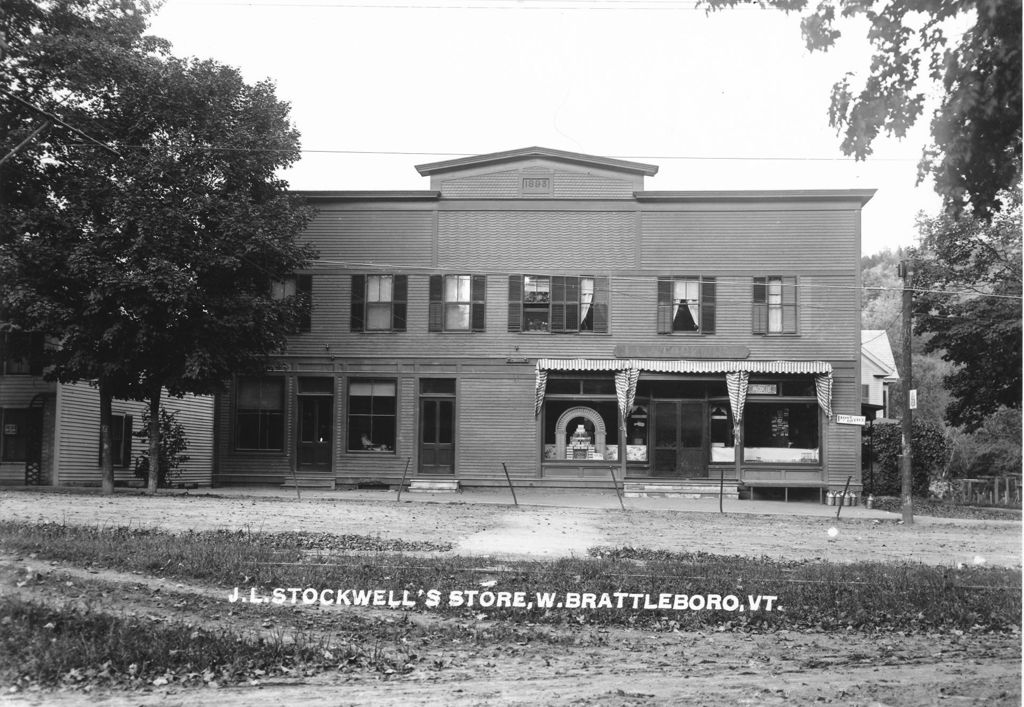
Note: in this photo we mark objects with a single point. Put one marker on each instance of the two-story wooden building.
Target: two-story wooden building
(543, 310)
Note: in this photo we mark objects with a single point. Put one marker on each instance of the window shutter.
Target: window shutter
(399, 306)
(572, 304)
(304, 287)
(760, 306)
(707, 305)
(358, 318)
(126, 443)
(515, 303)
(665, 305)
(600, 305)
(35, 354)
(478, 313)
(435, 314)
(558, 283)
(789, 305)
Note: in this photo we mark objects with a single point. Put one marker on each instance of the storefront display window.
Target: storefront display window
(371, 416)
(581, 430)
(781, 432)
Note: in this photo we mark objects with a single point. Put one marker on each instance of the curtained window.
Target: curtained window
(686, 304)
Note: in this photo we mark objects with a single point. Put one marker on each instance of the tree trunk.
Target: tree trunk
(154, 440)
(106, 458)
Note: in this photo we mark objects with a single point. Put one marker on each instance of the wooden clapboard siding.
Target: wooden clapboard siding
(843, 443)
(496, 424)
(828, 323)
(496, 185)
(371, 236)
(17, 391)
(517, 240)
(597, 219)
(795, 240)
(566, 182)
(78, 436)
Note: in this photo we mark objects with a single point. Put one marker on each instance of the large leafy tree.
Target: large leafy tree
(976, 128)
(151, 260)
(968, 303)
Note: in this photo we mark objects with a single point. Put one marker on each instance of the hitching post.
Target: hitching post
(616, 485)
(510, 486)
(402, 485)
(840, 504)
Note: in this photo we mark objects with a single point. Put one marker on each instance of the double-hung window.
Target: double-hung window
(686, 304)
(774, 303)
(301, 286)
(560, 304)
(259, 413)
(457, 302)
(379, 302)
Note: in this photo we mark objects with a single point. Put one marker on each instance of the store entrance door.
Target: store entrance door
(679, 449)
(314, 449)
(437, 435)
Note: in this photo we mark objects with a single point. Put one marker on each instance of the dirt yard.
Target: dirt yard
(597, 666)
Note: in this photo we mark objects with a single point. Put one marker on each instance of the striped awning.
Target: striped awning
(627, 372)
(683, 366)
(737, 382)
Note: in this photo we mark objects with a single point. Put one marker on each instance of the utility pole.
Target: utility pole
(907, 458)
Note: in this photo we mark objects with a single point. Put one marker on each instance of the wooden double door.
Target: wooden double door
(680, 439)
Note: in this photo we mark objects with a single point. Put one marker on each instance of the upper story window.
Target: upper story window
(560, 304)
(686, 304)
(379, 302)
(457, 302)
(291, 286)
(21, 353)
(774, 305)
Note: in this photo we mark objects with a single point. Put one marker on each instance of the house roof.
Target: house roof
(530, 152)
(874, 346)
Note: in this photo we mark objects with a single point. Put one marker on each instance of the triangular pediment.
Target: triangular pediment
(537, 172)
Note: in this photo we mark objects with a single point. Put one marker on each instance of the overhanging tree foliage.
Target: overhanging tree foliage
(976, 128)
(969, 274)
(153, 268)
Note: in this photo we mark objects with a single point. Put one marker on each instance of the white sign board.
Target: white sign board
(913, 399)
(851, 419)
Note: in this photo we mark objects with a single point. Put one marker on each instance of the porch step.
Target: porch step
(434, 486)
(308, 481)
(703, 488)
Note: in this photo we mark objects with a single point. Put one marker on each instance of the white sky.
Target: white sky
(652, 82)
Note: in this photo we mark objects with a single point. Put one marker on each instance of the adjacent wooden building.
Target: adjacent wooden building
(50, 432)
(542, 311)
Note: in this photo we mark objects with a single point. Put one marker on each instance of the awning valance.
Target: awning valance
(683, 366)
(627, 371)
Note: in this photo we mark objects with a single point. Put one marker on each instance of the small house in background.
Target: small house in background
(877, 374)
(50, 432)
(543, 312)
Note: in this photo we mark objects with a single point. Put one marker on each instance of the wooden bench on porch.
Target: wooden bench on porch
(787, 484)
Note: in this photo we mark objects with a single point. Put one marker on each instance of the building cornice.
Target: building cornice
(385, 195)
(492, 158)
(859, 196)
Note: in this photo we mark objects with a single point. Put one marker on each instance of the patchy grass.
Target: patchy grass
(72, 646)
(623, 582)
(947, 509)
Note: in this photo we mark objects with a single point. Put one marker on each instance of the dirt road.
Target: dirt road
(545, 531)
(585, 665)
